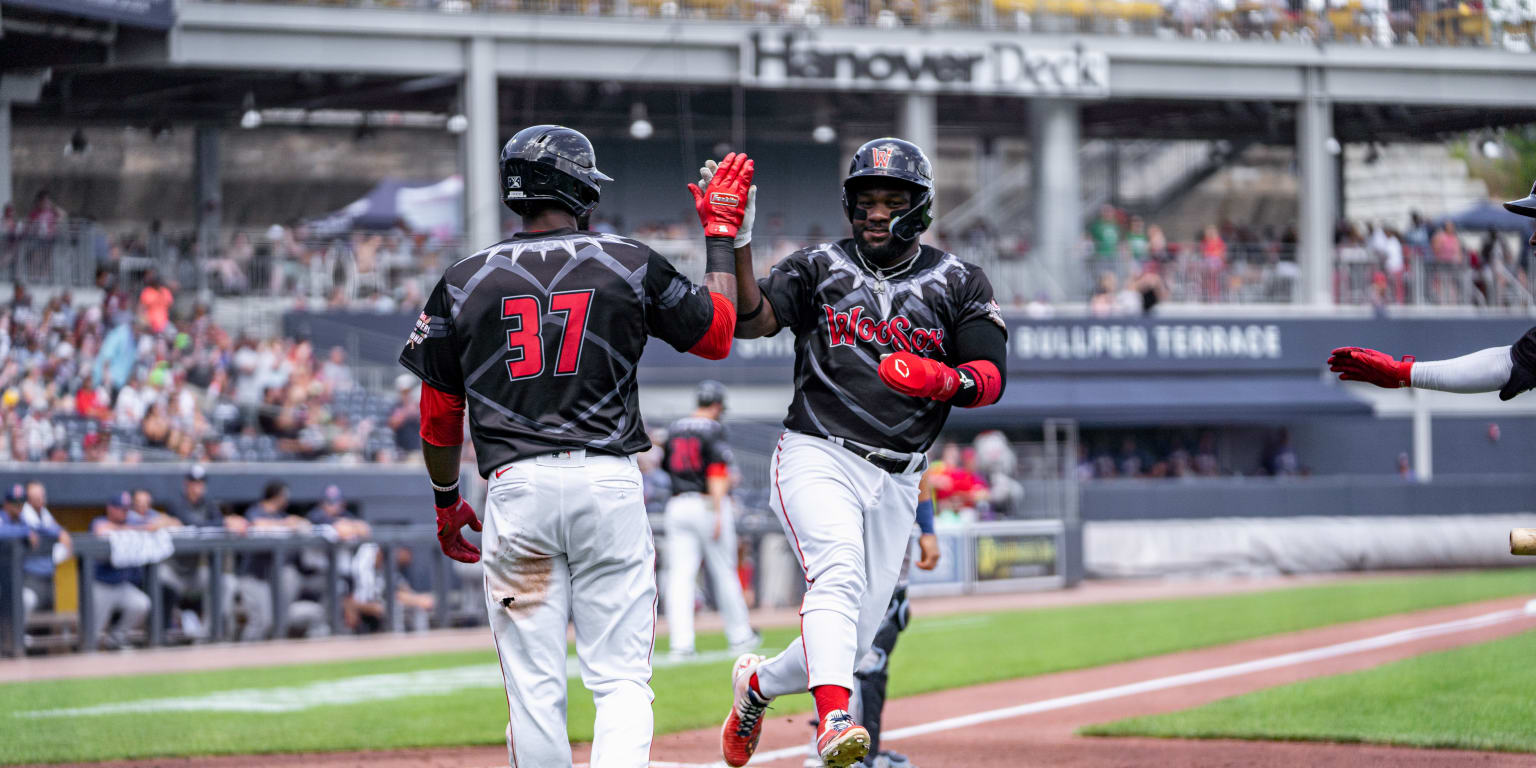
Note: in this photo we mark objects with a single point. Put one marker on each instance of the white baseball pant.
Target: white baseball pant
(690, 522)
(849, 522)
(566, 538)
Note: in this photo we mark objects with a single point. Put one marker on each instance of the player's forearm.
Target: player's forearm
(718, 488)
(1486, 370)
(754, 315)
(442, 436)
(720, 269)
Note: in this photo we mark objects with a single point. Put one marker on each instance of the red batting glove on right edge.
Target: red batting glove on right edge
(449, 536)
(1379, 368)
(722, 206)
(918, 376)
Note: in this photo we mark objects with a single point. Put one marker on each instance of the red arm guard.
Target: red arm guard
(716, 342)
(442, 417)
(989, 382)
(717, 470)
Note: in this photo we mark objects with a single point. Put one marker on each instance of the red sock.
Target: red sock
(830, 698)
(752, 683)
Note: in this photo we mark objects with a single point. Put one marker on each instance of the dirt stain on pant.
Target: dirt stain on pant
(521, 584)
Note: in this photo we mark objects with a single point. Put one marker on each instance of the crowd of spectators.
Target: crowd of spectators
(1134, 265)
(140, 375)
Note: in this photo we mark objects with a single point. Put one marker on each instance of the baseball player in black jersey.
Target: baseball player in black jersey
(537, 338)
(1508, 370)
(889, 335)
(701, 525)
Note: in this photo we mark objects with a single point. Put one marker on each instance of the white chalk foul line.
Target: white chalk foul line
(340, 691)
(1172, 681)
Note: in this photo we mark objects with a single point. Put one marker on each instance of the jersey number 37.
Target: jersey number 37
(526, 341)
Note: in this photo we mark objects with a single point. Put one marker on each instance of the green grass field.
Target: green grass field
(934, 654)
(1476, 697)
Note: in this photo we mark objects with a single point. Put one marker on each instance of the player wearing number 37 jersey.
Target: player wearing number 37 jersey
(537, 339)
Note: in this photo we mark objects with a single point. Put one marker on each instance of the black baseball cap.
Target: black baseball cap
(1525, 206)
(197, 472)
(121, 500)
(17, 492)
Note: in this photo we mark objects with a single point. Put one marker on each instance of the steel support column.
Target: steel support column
(482, 145)
(1317, 193)
(1055, 168)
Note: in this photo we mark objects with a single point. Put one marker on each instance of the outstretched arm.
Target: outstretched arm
(1506, 370)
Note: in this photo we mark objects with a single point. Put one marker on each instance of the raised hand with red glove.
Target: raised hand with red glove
(450, 521)
(723, 204)
(1379, 368)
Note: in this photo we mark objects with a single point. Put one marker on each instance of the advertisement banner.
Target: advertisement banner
(789, 58)
(1011, 556)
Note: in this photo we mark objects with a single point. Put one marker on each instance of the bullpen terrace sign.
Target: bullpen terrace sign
(797, 59)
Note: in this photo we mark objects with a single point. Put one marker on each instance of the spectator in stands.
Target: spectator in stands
(1104, 231)
(1137, 243)
(1449, 259)
(334, 373)
(155, 303)
(1213, 262)
(270, 516)
(45, 219)
(332, 510)
(116, 590)
(405, 419)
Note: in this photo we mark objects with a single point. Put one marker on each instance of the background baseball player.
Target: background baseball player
(889, 335)
(701, 524)
(1508, 370)
(537, 337)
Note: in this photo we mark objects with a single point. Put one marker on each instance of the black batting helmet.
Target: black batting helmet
(1525, 206)
(893, 159)
(551, 163)
(710, 392)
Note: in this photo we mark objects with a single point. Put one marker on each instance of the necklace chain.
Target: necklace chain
(884, 274)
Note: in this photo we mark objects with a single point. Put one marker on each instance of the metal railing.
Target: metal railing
(221, 548)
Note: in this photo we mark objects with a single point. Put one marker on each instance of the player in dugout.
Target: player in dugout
(1508, 370)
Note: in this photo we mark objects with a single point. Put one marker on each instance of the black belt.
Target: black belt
(888, 461)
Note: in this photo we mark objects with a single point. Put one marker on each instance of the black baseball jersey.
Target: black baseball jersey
(844, 319)
(541, 334)
(694, 445)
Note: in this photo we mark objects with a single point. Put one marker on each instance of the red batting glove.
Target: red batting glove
(450, 538)
(1379, 368)
(918, 376)
(723, 205)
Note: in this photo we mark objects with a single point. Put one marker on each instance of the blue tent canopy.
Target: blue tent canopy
(422, 206)
(1487, 215)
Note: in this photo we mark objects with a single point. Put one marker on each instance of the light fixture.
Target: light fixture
(639, 126)
(456, 123)
(250, 118)
(77, 144)
(1491, 149)
(1333, 146)
(823, 133)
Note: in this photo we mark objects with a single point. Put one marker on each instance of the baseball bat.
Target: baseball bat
(1522, 541)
